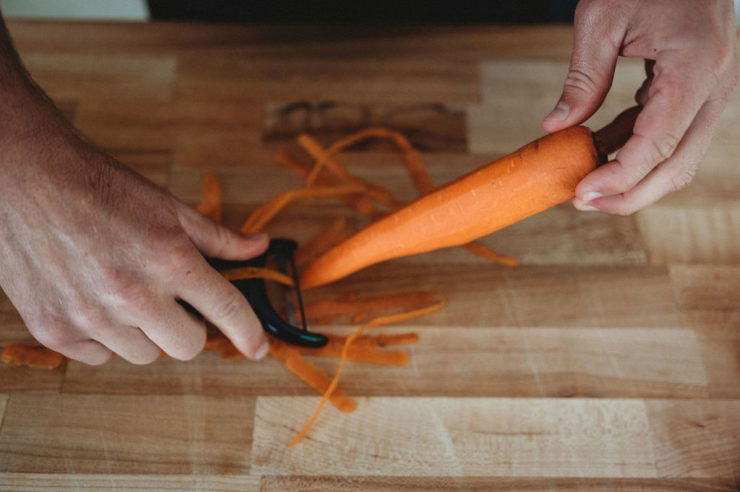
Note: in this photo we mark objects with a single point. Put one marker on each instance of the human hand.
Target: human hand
(692, 70)
(94, 256)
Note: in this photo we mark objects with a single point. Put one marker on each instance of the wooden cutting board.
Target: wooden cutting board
(609, 360)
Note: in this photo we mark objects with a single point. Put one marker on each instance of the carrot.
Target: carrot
(211, 204)
(325, 310)
(384, 320)
(256, 272)
(36, 357)
(264, 214)
(536, 177)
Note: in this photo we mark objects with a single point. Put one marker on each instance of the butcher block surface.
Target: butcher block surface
(609, 360)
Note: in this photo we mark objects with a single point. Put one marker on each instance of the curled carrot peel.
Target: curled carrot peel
(485, 252)
(310, 374)
(212, 198)
(380, 340)
(325, 310)
(384, 320)
(257, 272)
(264, 214)
(36, 357)
(324, 159)
(360, 203)
(360, 353)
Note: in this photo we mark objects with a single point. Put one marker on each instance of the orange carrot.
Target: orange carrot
(536, 177)
(256, 272)
(380, 340)
(264, 214)
(325, 310)
(385, 320)
(36, 357)
(211, 204)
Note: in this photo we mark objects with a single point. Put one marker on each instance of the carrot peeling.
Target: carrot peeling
(360, 353)
(36, 357)
(257, 272)
(324, 311)
(264, 214)
(211, 202)
(484, 251)
(384, 320)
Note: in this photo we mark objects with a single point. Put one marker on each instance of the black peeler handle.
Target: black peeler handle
(255, 291)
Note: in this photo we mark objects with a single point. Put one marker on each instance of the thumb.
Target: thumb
(596, 47)
(217, 241)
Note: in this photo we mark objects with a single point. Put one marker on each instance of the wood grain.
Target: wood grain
(605, 363)
(609, 360)
(49, 433)
(458, 437)
(35, 482)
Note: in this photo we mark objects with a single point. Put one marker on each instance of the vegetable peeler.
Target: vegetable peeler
(280, 251)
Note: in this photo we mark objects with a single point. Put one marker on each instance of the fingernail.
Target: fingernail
(591, 195)
(588, 208)
(261, 352)
(559, 113)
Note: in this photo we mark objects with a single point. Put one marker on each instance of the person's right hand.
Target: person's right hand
(94, 256)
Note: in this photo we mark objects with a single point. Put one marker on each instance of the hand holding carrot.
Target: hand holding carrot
(692, 70)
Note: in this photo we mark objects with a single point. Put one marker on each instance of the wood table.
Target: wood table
(610, 359)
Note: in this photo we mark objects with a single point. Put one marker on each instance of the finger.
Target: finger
(217, 241)
(227, 308)
(170, 327)
(673, 174)
(128, 342)
(673, 102)
(596, 45)
(87, 351)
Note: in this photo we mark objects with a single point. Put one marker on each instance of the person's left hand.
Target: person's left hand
(692, 70)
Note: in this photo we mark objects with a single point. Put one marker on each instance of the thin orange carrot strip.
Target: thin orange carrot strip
(362, 204)
(325, 239)
(323, 311)
(485, 252)
(373, 191)
(360, 353)
(264, 214)
(384, 320)
(36, 357)
(379, 340)
(318, 380)
(256, 272)
(211, 203)
(223, 345)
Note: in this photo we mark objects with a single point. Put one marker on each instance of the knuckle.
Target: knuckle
(51, 334)
(231, 305)
(662, 147)
(682, 179)
(580, 79)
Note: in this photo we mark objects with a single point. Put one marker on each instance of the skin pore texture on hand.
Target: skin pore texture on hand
(691, 71)
(93, 256)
